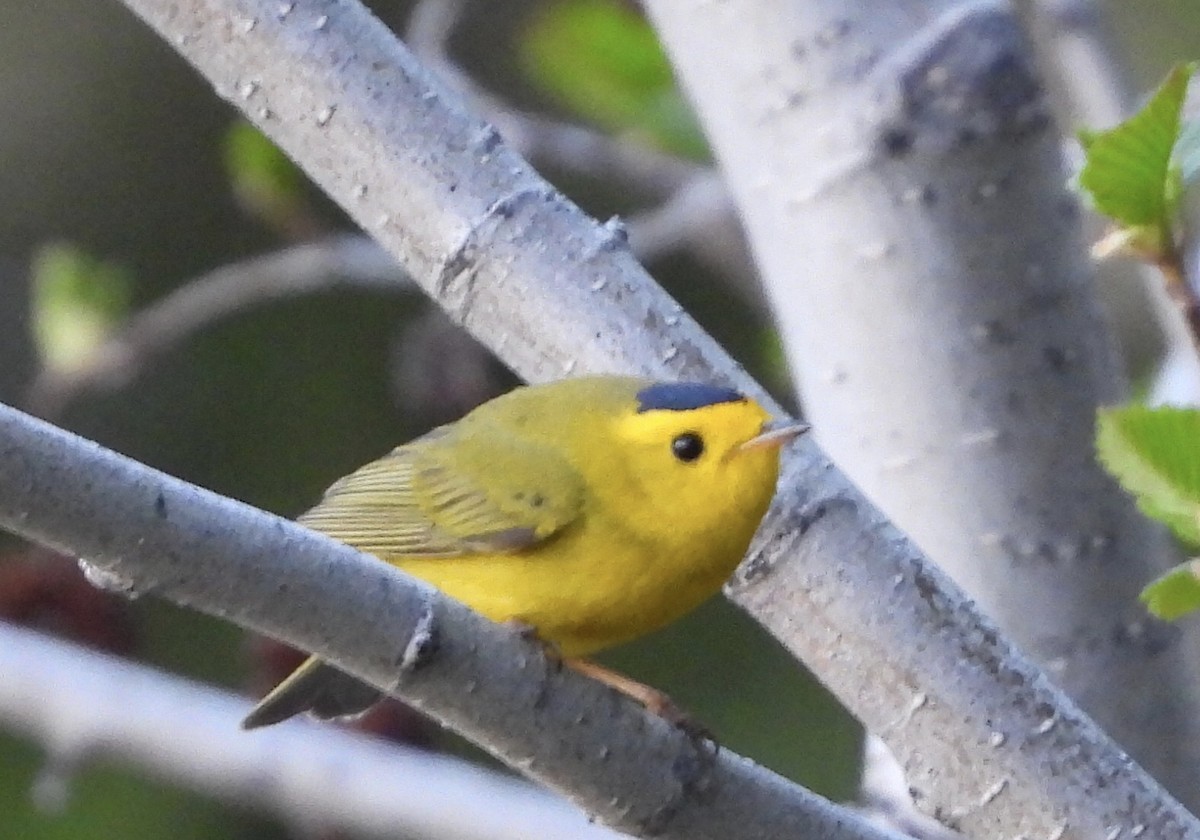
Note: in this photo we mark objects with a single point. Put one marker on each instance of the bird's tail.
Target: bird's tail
(315, 687)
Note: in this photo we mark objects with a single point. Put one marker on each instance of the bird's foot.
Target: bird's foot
(656, 702)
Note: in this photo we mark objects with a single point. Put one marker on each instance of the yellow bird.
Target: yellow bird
(591, 510)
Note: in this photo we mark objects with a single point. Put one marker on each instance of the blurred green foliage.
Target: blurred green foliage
(110, 802)
(1155, 454)
(601, 59)
(264, 179)
(76, 301)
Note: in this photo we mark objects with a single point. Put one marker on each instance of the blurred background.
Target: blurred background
(125, 179)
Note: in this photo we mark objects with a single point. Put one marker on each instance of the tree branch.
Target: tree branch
(148, 533)
(553, 293)
(85, 706)
(694, 209)
(909, 206)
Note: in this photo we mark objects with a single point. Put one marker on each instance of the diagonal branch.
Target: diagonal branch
(552, 293)
(917, 241)
(146, 532)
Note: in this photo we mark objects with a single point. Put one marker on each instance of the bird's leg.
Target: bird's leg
(656, 702)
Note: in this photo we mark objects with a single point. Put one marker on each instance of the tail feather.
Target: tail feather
(315, 687)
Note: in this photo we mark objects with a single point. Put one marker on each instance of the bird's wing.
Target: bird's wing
(451, 493)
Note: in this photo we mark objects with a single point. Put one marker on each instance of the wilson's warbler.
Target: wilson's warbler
(590, 510)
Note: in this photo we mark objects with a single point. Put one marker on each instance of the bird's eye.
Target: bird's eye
(687, 447)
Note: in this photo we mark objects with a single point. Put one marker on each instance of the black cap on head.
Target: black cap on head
(684, 396)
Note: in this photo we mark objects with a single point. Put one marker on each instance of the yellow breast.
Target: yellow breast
(594, 510)
(654, 537)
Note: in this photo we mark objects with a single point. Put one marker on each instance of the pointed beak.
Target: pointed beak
(774, 434)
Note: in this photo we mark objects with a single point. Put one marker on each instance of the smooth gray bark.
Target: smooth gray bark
(901, 180)
(144, 532)
(554, 293)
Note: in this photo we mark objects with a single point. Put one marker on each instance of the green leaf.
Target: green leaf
(1175, 594)
(1129, 172)
(602, 60)
(1155, 455)
(263, 177)
(76, 300)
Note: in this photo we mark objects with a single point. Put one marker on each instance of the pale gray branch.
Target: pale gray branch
(909, 206)
(693, 208)
(147, 533)
(886, 797)
(86, 706)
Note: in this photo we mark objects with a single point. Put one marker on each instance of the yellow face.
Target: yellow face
(683, 465)
(663, 463)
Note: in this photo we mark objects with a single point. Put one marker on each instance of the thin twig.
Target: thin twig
(1180, 290)
(545, 141)
(342, 262)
